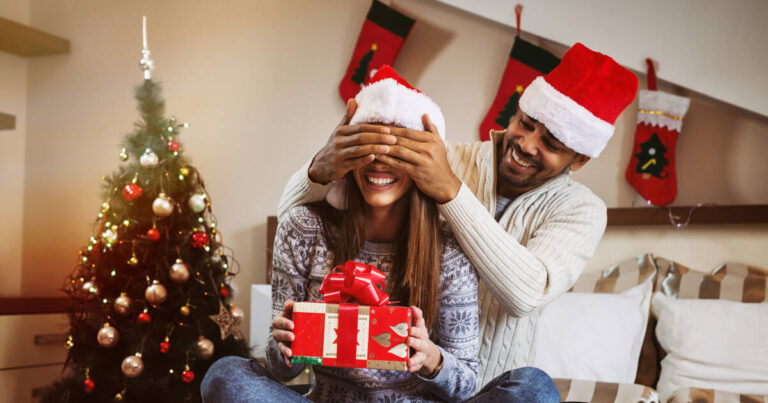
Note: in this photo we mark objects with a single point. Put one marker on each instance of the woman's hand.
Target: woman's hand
(426, 356)
(282, 331)
(348, 148)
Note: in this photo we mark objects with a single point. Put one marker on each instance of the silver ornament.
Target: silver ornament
(237, 313)
(162, 205)
(204, 348)
(123, 304)
(107, 336)
(132, 365)
(156, 293)
(197, 203)
(148, 159)
(218, 237)
(179, 271)
(90, 289)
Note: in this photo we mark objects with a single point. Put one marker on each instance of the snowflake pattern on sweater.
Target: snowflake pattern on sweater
(301, 261)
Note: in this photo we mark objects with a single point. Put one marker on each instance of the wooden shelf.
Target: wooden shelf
(24, 306)
(7, 122)
(26, 41)
(740, 214)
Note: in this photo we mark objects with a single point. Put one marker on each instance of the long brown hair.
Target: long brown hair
(415, 275)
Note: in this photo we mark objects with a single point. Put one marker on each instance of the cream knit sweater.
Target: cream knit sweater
(534, 253)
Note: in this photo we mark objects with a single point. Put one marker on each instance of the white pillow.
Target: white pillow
(594, 337)
(713, 344)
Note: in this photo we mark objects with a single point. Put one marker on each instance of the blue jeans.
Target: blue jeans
(236, 379)
(527, 384)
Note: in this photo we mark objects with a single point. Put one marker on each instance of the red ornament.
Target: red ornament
(224, 292)
(187, 376)
(200, 240)
(88, 385)
(164, 346)
(144, 318)
(153, 234)
(173, 146)
(132, 192)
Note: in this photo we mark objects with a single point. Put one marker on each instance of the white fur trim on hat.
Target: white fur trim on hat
(389, 102)
(571, 123)
(660, 109)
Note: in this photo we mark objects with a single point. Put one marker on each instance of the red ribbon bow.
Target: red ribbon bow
(362, 282)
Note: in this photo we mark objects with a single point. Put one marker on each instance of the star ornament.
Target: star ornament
(226, 323)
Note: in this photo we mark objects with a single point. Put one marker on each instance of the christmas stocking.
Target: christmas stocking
(651, 170)
(526, 62)
(383, 33)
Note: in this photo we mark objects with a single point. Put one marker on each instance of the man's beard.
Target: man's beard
(514, 181)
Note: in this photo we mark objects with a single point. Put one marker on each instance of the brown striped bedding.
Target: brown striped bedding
(616, 279)
(572, 390)
(731, 281)
(697, 395)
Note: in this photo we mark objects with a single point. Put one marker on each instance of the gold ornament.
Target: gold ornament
(184, 310)
(156, 293)
(162, 206)
(203, 348)
(132, 366)
(123, 155)
(107, 336)
(184, 171)
(179, 271)
(70, 343)
(226, 322)
(123, 304)
(133, 261)
(237, 313)
(120, 396)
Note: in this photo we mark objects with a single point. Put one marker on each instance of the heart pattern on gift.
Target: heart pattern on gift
(401, 329)
(400, 350)
(383, 339)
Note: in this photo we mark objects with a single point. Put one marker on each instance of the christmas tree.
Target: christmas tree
(361, 72)
(510, 108)
(150, 292)
(650, 159)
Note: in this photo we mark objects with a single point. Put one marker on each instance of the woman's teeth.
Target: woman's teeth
(380, 181)
(520, 160)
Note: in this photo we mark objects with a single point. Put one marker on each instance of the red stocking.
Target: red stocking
(379, 42)
(651, 170)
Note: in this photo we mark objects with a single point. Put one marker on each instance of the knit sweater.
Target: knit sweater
(300, 263)
(534, 253)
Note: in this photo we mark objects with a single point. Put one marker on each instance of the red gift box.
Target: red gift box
(340, 334)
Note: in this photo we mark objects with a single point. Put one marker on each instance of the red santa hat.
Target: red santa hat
(580, 99)
(387, 98)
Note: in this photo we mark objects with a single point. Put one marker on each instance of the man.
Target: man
(528, 228)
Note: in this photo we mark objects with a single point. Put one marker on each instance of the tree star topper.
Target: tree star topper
(226, 322)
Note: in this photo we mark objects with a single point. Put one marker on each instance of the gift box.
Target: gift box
(337, 333)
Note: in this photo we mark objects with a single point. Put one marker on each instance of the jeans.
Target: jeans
(236, 379)
(525, 384)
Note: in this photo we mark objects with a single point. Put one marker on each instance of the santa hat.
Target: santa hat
(580, 99)
(388, 99)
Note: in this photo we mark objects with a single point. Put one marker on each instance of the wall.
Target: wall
(13, 100)
(258, 82)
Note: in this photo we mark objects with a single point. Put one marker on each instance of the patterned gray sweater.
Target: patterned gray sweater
(300, 263)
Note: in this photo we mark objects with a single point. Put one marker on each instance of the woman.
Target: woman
(390, 224)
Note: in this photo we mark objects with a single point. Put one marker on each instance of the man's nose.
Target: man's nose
(528, 143)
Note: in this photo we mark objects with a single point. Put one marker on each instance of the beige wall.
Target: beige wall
(258, 82)
(13, 100)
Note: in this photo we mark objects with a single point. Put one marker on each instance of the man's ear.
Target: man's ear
(578, 161)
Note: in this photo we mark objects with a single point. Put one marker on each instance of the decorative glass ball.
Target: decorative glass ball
(187, 376)
(132, 366)
(237, 313)
(197, 202)
(204, 348)
(200, 239)
(173, 146)
(156, 293)
(162, 206)
(153, 234)
(88, 385)
(144, 317)
(179, 271)
(184, 310)
(148, 159)
(123, 155)
(123, 304)
(132, 191)
(90, 289)
(107, 336)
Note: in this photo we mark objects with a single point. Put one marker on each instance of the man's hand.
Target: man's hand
(423, 157)
(282, 331)
(348, 148)
(426, 356)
